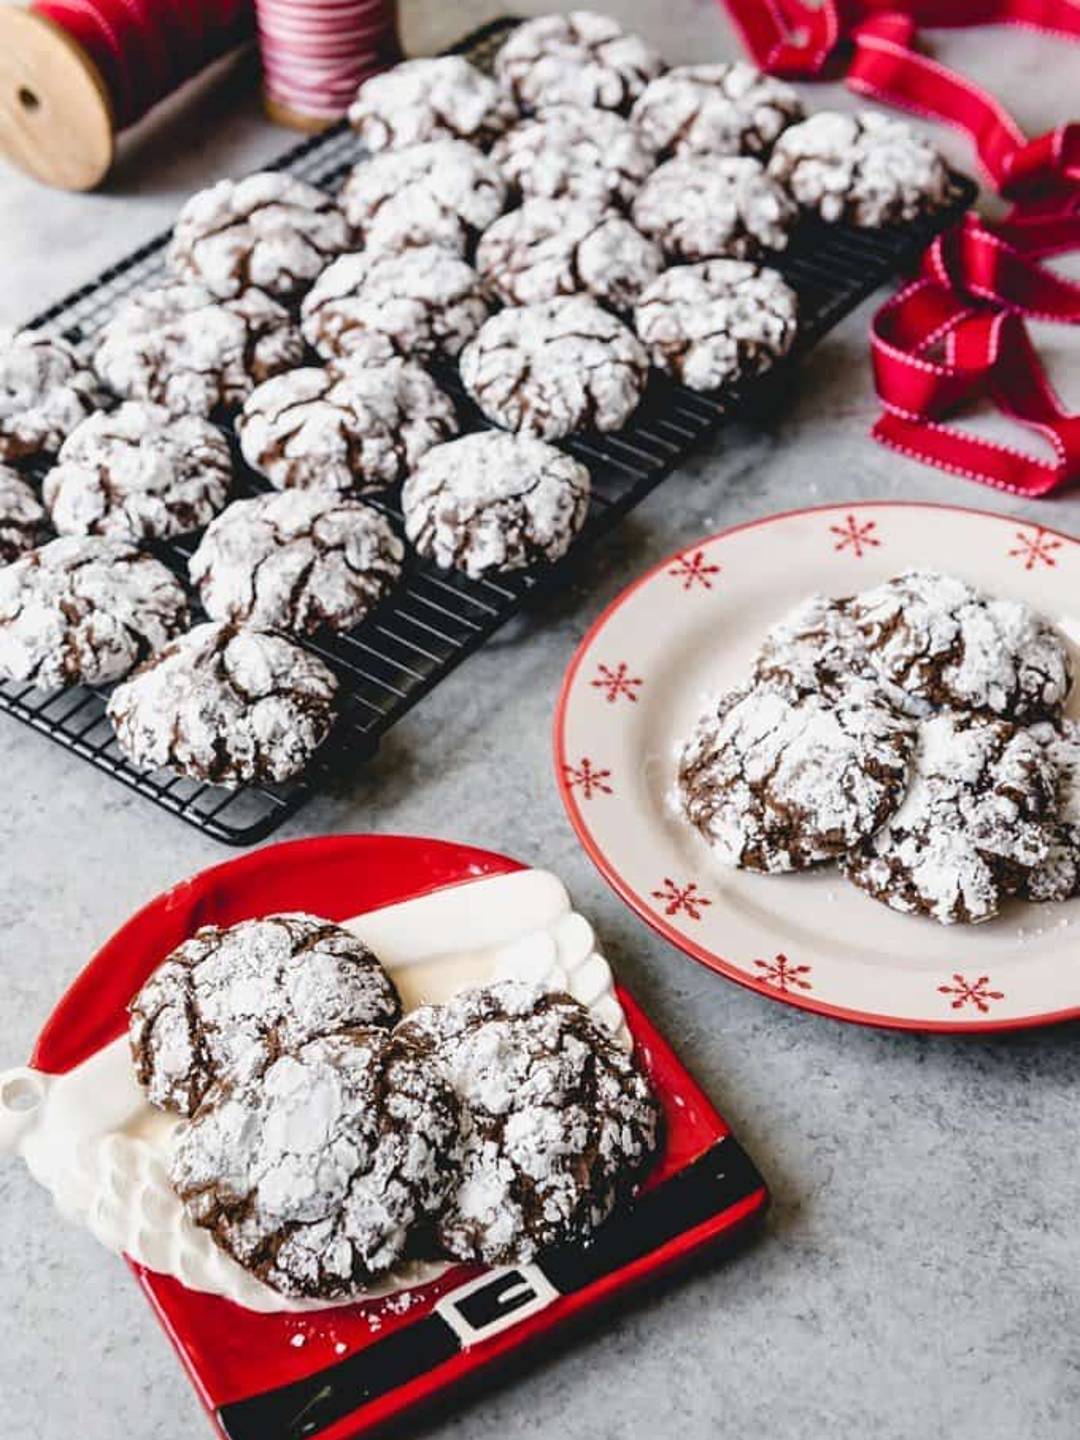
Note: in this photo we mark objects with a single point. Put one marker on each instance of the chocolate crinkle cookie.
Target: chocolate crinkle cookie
(314, 1175)
(24, 523)
(566, 247)
(777, 777)
(296, 561)
(549, 369)
(345, 426)
(492, 502)
(710, 324)
(971, 827)
(696, 207)
(582, 59)
(817, 644)
(179, 347)
(569, 153)
(865, 169)
(558, 1123)
(935, 641)
(139, 473)
(433, 99)
(443, 192)
(728, 109)
(85, 610)
(226, 705)
(269, 231)
(1058, 876)
(230, 1000)
(46, 388)
(421, 304)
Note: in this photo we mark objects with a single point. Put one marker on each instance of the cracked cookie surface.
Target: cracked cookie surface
(727, 109)
(558, 1123)
(582, 59)
(1057, 877)
(431, 99)
(567, 153)
(697, 207)
(296, 561)
(46, 389)
(23, 522)
(494, 502)
(226, 705)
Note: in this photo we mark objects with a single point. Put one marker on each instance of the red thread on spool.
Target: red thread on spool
(317, 52)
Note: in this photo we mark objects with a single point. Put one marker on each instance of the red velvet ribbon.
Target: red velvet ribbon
(958, 332)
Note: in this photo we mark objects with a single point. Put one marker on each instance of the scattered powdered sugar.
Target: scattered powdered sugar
(85, 610)
(177, 346)
(295, 561)
(226, 705)
(314, 1174)
(46, 388)
(727, 109)
(228, 1001)
(23, 521)
(710, 324)
(864, 169)
(558, 1123)
(268, 230)
(139, 473)
(492, 502)
(1058, 876)
(430, 99)
(776, 776)
(443, 192)
(697, 207)
(345, 426)
(418, 304)
(562, 247)
(569, 153)
(551, 368)
(582, 59)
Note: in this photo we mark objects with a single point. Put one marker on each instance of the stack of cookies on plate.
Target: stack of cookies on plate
(914, 733)
(556, 231)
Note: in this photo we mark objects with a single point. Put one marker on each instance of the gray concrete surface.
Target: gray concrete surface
(918, 1277)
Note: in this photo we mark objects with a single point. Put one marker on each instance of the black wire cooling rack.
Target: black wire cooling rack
(434, 620)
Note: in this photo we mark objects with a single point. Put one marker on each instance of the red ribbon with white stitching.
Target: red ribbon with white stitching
(958, 331)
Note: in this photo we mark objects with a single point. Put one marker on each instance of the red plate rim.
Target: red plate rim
(639, 905)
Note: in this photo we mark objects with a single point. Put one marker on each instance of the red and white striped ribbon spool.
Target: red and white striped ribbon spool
(316, 53)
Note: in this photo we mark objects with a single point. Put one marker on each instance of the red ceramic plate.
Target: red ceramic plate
(341, 1372)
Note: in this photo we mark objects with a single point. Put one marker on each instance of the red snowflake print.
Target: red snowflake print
(694, 570)
(855, 536)
(617, 682)
(589, 778)
(971, 992)
(783, 974)
(1037, 549)
(681, 899)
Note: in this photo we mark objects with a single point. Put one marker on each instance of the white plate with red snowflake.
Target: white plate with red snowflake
(687, 630)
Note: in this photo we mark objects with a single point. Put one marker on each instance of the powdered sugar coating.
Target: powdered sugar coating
(139, 473)
(46, 388)
(443, 192)
(296, 561)
(177, 346)
(817, 643)
(549, 369)
(565, 247)
(710, 324)
(226, 705)
(226, 1002)
(940, 642)
(777, 777)
(494, 502)
(430, 99)
(970, 826)
(1058, 876)
(700, 206)
(313, 1176)
(85, 610)
(582, 59)
(558, 1123)
(269, 230)
(569, 153)
(23, 521)
(422, 303)
(726, 109)
(347, 426)
(865, 169)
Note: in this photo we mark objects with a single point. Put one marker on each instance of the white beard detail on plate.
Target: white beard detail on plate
(93, 1139)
